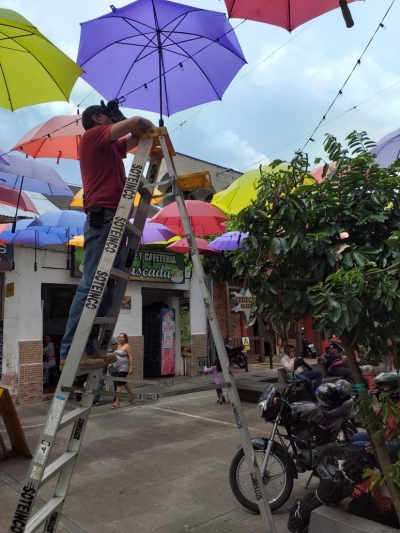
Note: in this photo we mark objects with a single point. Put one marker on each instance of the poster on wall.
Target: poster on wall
(186, 334)
(6, 257)
(126, 305)
(167, 341)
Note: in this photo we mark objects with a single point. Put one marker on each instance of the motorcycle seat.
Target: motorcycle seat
(338, 412)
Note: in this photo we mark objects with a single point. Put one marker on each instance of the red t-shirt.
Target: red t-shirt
(102, 168)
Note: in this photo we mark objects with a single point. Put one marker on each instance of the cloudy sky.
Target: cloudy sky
(275, 101)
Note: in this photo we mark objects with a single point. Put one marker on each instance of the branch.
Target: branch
(383, 270)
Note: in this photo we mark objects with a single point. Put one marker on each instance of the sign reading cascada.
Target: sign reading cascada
(158, 266)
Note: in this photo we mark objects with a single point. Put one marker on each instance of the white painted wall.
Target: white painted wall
(198, 319)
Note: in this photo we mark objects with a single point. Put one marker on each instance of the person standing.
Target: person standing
(49, 358)
(218, 380)
(302, 371)
(122, 367)
(102, 149)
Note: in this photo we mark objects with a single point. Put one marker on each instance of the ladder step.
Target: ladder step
(43, 514)
(117, 274)
(53, 468)
(133, 229)
(72, 416)
(105, 320)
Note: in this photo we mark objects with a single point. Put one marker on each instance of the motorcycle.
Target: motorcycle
(310, 429)
(309, 350)
(236, 355)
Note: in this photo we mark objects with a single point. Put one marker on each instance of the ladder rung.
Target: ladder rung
(105, 320)
(43, 514)
(53, 468)
(133, 229)
(73, 415)
(117, 274)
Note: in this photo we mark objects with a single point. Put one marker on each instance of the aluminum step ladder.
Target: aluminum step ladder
(154, 144)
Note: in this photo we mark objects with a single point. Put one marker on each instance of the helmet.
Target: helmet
(345, 388)
(388, 378)
(329, 395)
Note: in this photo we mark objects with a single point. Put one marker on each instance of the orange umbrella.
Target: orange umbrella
(317, 172)
(57, 137)
(77, 200)
(203, 246)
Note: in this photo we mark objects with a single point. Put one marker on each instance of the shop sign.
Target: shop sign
(186, 334)
(159, 266)
(6, 257)
(155, 266)
(243, 301)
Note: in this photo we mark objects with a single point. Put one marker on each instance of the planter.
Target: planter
(336, 520)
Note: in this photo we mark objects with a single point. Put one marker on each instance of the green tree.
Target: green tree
(331, 250)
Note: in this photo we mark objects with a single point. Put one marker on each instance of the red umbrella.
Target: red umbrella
(203, 246)
(206, 219)
(14, 198)
(58, 137)
(287, 14)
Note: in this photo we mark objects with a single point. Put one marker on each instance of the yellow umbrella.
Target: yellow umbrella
(33, 70)
(77, 200)
(243, 191)
(78, 240)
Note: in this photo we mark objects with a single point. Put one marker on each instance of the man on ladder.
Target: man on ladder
(106, 141)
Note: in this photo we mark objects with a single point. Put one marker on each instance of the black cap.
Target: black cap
(87, 121)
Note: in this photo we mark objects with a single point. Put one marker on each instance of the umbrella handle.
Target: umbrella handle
(346, 13)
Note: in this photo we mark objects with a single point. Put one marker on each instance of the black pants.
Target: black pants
(341, 371)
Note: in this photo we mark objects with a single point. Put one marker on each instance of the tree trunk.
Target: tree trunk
(379, 446)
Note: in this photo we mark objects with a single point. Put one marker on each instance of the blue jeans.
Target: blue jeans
(100, 385)
(362, 439)
(308, 377)
(95, 240)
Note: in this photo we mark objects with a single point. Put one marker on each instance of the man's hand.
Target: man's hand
(369, 448)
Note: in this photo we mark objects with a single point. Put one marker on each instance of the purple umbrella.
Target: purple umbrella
(155, 232)
(3, 157)
(231, 240)
(387, 149)
(159, 55)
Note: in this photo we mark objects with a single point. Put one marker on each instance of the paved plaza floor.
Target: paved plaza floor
(151, 467)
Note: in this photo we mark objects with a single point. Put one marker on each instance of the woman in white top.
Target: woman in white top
(122, 367)
(49, 359)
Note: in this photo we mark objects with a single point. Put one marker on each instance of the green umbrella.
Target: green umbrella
(32, 69)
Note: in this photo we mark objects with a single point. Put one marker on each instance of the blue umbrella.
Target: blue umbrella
(67, 219)
(231, 240)
(160, 56)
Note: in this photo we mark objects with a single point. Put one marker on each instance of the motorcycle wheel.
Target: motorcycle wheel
(345, 434)
(278, 480)
(241, 361)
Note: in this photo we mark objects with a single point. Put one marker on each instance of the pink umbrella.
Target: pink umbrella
(57, 137)
(182, 247)
(16, 198)
(206, 219)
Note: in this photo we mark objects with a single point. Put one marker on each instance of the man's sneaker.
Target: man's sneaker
(108, 358)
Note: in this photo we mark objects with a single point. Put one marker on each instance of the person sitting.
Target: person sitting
(386, 388)
(336, 366)
(301, 370)
(49, 358)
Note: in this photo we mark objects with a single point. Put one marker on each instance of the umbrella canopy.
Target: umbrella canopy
(58, 137)
(78, 240)
(65, 219)
(287, 15)
(242, 191)
(387, 149)
(77, 200)
(31, 175)
(33, 69)
(231, 240)
(160, 56)
(205, 218)
(182, 247)
(155, 232)
(318, 171)
(32, 238)
(3, 157)
(15, 198)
